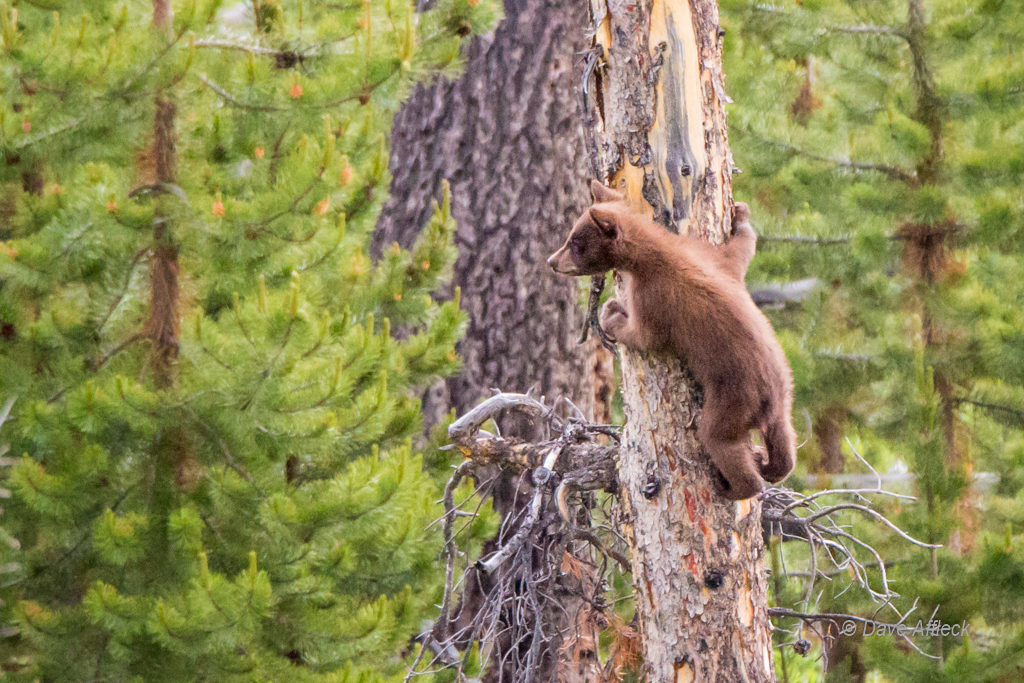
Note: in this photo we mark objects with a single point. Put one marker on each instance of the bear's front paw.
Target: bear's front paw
(614, 318)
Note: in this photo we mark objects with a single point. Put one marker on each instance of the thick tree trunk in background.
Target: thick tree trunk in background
(658, 126)
(507, 136)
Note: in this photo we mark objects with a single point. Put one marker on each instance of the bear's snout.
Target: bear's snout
(555, 261)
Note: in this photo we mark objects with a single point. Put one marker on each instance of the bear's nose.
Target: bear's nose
(553, 259)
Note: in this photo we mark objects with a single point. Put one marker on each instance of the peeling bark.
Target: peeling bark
(657, 124)
(697, 558)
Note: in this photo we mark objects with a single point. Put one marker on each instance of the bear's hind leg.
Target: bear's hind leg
(780, 442)
(735, 462)
(727, 440)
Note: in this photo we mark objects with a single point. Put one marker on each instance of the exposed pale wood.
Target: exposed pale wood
(491, 408)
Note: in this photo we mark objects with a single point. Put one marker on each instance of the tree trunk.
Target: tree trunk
(828, 430)
(162, 326)
(175, 466)
(658, 125)
(507, 136)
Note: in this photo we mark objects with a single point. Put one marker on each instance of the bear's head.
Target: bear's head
(592, 244)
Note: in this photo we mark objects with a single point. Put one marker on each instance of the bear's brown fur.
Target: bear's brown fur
(686, 297)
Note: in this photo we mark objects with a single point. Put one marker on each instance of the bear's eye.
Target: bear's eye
(576, 245)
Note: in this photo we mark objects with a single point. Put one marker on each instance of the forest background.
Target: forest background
(220, 343)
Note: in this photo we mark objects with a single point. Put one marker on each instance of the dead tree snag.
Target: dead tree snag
(658, 127)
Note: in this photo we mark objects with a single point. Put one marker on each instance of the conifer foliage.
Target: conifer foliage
(209, 470)
(881, 148)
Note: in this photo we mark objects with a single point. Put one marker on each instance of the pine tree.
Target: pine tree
(881, 149)
(213, 478)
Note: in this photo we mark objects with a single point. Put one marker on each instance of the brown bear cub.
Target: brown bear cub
(686, 297)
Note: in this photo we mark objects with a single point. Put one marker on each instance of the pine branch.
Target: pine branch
(234, 101)
(362, 95)
(126, 88)
(223, 447)
(56, 130)
(802, 239)
(830, 241)
(258, 228)
(849, 357)
(992, 406)
(124, 290)
(212, 355)
(40, 570)
(101, 361)
(265, 374)
(241, 47)
(869, 29)
(894, 172)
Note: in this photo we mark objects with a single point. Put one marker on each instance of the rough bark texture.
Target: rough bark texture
(697, 558)
(162, 325)
(507, 135)
(657, 122)
(508, 138)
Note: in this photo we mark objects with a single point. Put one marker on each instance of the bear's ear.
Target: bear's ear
(604, 194)
(740, 212)
(606, 221)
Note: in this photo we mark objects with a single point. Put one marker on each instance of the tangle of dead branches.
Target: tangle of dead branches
(538, 598)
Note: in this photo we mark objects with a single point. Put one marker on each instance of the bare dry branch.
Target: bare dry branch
(467, 425)
(541, 476)
(450, 548)
(552, 546)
